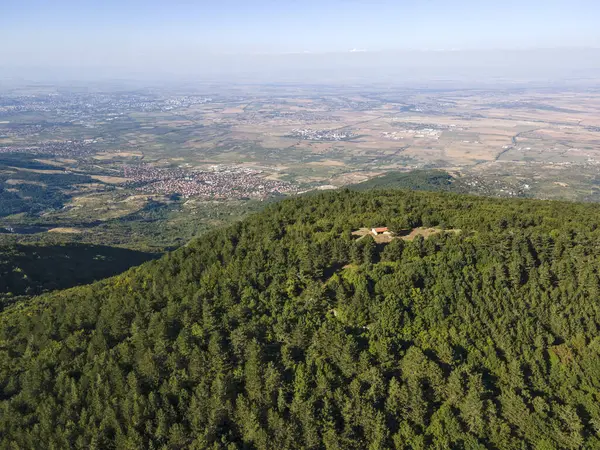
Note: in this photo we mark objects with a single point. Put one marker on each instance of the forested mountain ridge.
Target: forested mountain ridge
(284, 331)
(417, 180)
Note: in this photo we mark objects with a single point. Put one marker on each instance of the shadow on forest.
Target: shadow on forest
(34, 269)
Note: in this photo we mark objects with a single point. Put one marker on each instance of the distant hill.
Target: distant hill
(34, 269)
(418, 180)
(286, 331)
(29, 186)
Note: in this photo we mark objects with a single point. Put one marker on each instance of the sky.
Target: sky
(181, 34)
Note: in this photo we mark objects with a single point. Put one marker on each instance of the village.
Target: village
(220, 182)
(63, 149)
(322, 135)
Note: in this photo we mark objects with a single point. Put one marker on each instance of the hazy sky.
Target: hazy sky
(132, 33)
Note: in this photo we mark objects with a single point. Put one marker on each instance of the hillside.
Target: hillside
(29, 186)
(285, 331)
(418, 180)
(27, 270)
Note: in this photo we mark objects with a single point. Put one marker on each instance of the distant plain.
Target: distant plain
(533, 142)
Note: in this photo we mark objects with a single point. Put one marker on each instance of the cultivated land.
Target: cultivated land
(121, 165)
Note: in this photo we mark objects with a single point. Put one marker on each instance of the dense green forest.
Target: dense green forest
(27, 270)
(418, 180)
(286, 331)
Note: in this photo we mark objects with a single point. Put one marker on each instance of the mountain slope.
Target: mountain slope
(417, 180)
(33, 269)
(284, 331)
